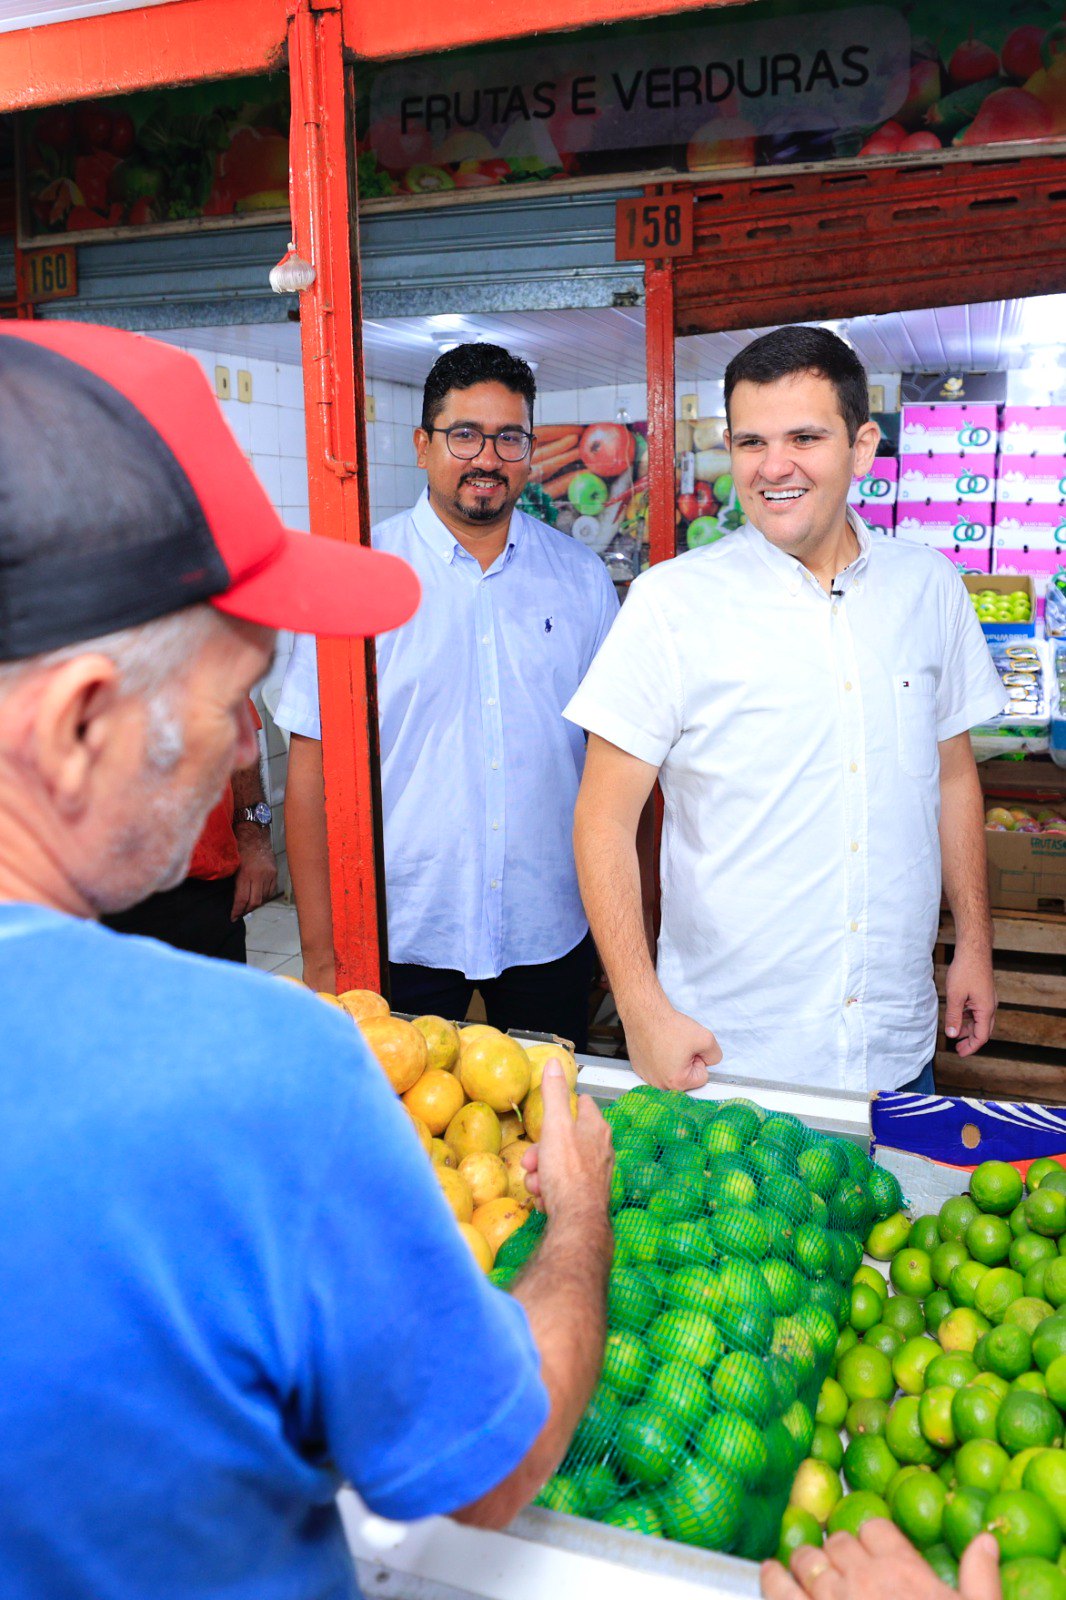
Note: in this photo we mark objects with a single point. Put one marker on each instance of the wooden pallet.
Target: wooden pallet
(1026, 1057)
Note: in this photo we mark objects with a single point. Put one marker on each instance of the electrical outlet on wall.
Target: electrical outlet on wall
(370, 413)
(244, 386)
(222, 388)
(690, 407)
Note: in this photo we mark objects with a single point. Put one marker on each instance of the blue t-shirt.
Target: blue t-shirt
(228, 1280)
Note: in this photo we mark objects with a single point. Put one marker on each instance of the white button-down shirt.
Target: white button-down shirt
(796, 734)
(479, 769)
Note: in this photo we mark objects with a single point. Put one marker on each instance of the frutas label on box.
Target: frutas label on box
(945, 479)
(1032, 528)
(944, 527)
(878, 486)
(1032, 430)
(1040, 479)
(948, 430)
(1026, 871)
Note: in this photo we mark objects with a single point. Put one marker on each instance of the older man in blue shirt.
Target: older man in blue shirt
(479, 769)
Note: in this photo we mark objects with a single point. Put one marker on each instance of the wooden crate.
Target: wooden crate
(1025, 1059)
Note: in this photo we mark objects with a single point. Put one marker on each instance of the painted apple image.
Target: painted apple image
(1021, 52)
(607, 449)
(972, 62)
(700, 503)
(705, 530)
(587, 493)
(722, 488)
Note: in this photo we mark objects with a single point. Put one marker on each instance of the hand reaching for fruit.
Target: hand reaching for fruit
(570, 1167)
(880, 1564)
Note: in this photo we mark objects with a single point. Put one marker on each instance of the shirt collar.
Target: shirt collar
(443, 542)
(792, 573)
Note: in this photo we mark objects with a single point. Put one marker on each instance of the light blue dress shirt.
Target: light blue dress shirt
(479, 769)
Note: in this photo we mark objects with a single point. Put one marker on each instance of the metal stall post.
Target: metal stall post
(323, 214)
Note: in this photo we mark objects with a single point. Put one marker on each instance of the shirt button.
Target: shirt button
(854, 844)
(847, 683)
(850, 1001)
(854, 766)
(495, 764)
(495, 883)
(495, 827)
(854, 927)
(490, 701)
(836, 608)
(484, 638)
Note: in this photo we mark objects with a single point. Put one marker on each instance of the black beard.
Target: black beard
(481, 511)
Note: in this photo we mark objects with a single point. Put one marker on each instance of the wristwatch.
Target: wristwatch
(260, 813)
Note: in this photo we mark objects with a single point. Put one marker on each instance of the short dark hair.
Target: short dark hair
(468, 364)
(803, 349)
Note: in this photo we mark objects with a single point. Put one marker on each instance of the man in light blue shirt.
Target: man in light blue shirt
(479, 770)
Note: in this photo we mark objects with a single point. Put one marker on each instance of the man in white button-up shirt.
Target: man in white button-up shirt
(803, 692)
(479, 769)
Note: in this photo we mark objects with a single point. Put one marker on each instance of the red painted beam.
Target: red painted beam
(126, 50)
(330, 320)
(376, 31)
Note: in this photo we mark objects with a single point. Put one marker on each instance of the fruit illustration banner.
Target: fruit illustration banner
(172, 159)
(591, 481)
(779, 83)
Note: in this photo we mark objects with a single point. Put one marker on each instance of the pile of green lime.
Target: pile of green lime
(949, 1386)
(737, 1236)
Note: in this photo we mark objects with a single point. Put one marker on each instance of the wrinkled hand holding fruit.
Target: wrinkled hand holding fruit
(474, 1098)
(1024, 819)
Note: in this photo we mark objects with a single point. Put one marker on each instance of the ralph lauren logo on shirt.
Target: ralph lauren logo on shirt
(549, 623)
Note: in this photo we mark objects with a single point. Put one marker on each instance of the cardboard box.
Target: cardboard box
(1032, 430)
(1006, 584)
(1026, 872)
(878, 486)
(933, 1145)
(955, 527)
(950, 429)
(945, 479)
(1028, 480)
(1036, 527)
(878, 517)
(970, 562)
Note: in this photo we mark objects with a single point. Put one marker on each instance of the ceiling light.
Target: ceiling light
(446, 319)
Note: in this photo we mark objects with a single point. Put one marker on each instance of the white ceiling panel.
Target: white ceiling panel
(589, 349)
(16, 14)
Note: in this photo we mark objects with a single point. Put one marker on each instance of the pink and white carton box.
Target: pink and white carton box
(1025, 480)
(954, 429)
(1036, 529)
(878, 486)
(969, 560)
(877, 516)
(966, 528)
(944, 479)
(1032, 430)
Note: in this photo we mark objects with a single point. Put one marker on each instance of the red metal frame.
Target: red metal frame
(323, 229)
(125, 50)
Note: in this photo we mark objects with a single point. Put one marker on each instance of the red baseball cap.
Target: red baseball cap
(124, 496)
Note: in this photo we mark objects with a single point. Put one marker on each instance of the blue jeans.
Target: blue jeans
(922, 1084)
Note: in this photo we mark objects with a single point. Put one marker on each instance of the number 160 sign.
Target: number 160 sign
(648, 229)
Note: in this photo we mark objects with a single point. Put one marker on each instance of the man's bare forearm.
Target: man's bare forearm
(564, 1292)
(305, 839)
(247, 787)
(609, 877)
(964, 862)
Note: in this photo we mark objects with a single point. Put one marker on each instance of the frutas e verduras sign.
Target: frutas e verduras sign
(774, 84)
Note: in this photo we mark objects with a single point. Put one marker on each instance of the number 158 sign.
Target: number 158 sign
(647, 229)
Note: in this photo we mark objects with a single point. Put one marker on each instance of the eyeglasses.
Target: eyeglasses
(465, 442)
